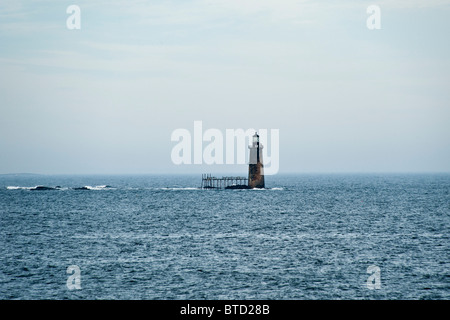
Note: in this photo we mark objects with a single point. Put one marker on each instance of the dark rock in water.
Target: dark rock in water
(40, 188)
(239, 186)
(81, 188)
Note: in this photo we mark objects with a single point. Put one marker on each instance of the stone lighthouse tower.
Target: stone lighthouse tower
(255, 166)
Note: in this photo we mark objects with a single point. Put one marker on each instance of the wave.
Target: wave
(275, 188)
(102, 187)
(18, 188)
(193, 188)
(45, 188)
(37, 188)
(108, 187)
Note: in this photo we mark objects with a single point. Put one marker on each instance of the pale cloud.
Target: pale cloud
(210, 12)
(262, 11)
(411, 4)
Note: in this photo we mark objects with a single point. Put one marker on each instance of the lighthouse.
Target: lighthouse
(255, 166)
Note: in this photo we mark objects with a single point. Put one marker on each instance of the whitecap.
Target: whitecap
(18, 188)
(102, 187)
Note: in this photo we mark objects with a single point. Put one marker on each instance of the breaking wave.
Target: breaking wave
(103, 187)
(108, 187)
(33, 188)
(18, 188)
(265, 189)
(43, 188)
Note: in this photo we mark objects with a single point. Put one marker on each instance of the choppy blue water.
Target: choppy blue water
(157, 237)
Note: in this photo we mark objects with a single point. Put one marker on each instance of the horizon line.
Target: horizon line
(225, 174)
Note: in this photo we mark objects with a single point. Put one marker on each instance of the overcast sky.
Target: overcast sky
(106, 98)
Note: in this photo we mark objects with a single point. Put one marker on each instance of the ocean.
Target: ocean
(307, 236)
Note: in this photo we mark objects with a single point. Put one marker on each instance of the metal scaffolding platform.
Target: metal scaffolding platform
(210, 182)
